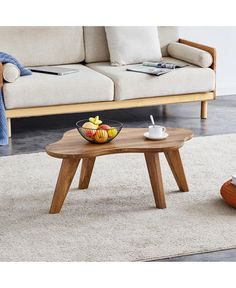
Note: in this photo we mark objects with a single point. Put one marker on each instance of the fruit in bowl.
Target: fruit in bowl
(90, 129)
(101, 136)
(95, 120)
(104, 127)
(97, 131)
(112, 132)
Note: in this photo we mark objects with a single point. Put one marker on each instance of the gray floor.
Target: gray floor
(33, 134)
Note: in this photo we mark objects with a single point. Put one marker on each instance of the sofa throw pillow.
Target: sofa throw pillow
(190, 54)
(10, 72)
(133, 44)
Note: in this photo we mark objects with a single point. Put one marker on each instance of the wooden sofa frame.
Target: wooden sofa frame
(109, 105)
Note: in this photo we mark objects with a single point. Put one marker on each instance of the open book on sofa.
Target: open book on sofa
(155, 68)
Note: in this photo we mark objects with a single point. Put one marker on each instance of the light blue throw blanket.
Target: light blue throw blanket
(6, 58)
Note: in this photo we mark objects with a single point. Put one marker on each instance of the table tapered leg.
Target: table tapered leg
(175, 163)
(66, 175)
(154, 170)
(86, 172)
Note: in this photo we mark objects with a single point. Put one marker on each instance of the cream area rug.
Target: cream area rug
(115, 219)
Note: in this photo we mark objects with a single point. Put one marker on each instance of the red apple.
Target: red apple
(104, 127)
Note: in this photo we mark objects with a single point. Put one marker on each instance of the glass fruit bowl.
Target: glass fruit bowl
(99, 133)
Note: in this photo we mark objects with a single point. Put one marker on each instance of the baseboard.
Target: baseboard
(224, 90)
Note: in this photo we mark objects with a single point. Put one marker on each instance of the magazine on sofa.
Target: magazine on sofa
(163, 64)
(148, 70)
(155, 68)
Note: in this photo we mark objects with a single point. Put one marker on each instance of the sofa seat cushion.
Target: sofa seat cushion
(45, 90)
(130, 85)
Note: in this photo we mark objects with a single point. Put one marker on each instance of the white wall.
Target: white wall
(224, 40)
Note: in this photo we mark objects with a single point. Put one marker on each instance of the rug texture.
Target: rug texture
(116, 219)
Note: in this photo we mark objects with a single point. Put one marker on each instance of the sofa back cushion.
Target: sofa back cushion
(35, 46)
(167, 34)
(96, 49)
(95, 42)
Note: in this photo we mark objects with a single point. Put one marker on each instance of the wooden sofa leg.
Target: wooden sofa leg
(204, 109)
(9, 127)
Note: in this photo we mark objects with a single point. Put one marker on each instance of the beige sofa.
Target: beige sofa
(98, 85)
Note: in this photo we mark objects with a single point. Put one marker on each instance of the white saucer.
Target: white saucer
(164, 136)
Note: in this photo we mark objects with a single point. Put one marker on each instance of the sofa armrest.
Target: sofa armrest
(211, 50)
(1, 75)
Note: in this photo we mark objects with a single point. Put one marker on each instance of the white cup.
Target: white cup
(156, 131)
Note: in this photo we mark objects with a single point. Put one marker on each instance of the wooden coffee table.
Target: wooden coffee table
(72, 148)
